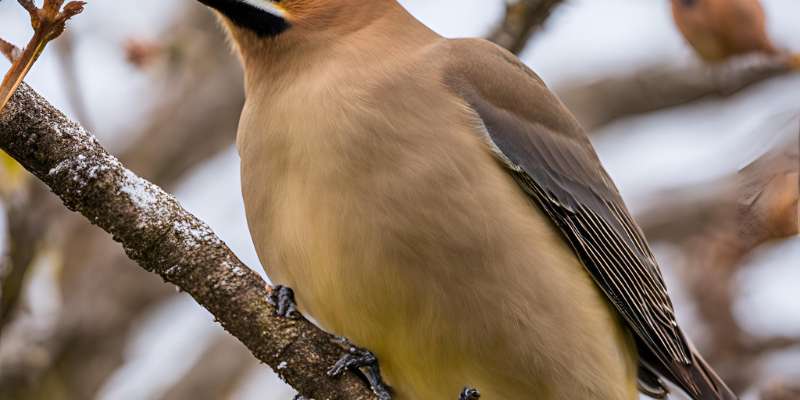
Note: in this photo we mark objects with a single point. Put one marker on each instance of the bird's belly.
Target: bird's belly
(450, 286)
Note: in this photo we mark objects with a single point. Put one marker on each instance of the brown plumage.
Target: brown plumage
(720, 29)
(433, 201)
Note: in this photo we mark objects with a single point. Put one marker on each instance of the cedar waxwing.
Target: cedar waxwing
(720, 29)
(433, 201)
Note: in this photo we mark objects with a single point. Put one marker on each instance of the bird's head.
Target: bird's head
(276, 38)
(282, 20)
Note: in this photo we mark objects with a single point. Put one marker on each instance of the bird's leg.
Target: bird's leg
(469, 394)
(282, 297)
(364, 361)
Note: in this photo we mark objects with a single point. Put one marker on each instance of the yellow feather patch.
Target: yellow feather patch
(12, 175)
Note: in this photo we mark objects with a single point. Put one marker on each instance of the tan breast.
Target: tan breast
(370, 193)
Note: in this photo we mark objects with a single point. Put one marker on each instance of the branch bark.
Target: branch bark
(165, 239)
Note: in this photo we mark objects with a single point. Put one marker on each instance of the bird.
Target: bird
(721, 29)
(431, 200)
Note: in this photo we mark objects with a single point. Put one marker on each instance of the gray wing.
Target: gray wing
(548, 154)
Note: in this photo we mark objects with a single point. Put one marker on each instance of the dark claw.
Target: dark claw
(299, 397)
(470, 394)
(282, 297)
(365, 362)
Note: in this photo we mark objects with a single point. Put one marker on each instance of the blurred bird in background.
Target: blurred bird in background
(721, 29)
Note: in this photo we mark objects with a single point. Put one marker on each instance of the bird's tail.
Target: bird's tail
(697, 380)
(707, 385)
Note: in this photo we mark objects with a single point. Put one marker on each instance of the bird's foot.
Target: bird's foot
(282, 297)
(469, 394)
(364, 361)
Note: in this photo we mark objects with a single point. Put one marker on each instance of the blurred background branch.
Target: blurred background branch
(522, 19)
(657, 87)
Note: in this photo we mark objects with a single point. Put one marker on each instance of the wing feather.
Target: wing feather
(548, 154)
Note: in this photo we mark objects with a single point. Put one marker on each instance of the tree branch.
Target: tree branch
(522, 19)
(657, 87)
(164, 238)
(9, 51)
(85, 345)
(758, 204)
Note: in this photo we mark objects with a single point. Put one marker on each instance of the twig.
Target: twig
(48, 23)
(522, 19)
(9, 51)
(164, 238)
